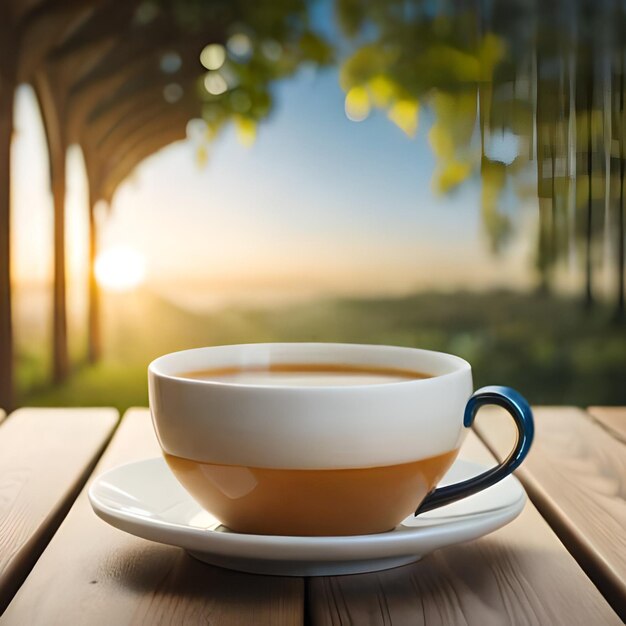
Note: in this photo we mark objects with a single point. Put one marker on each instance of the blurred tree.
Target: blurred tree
(519, 69)
(413, 54)
(618, 120)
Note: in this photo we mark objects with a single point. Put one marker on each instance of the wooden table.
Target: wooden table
(563, 561)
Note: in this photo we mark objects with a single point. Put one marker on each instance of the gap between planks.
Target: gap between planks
(611, 418)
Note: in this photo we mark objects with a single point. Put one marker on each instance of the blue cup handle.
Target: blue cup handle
(519, 409)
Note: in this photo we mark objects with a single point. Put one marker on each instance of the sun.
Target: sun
(120, 269)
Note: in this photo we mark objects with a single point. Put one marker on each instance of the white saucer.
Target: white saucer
(145, 499)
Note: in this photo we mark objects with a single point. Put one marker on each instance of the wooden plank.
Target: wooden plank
(613, 418)
(46, 455)
(576, 476)
(110, 577)
(2, 416)
(521, 574)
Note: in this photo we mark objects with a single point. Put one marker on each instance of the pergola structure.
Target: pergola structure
(120, 79)
(96, 74)
(109, 100)
(96, 70)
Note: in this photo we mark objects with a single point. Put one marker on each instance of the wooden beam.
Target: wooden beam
(39, 34)
(29, 11)
(142, 149)
(155, 119)
(54, 126)
(136, 44)
(71, 69)
(147, 85)
(158, 119)
(89, 98)
(153, 115)
(18, 9)
(107, 20)
(79, 106)
(99, 128)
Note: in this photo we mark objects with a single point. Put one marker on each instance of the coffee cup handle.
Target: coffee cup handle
(521, 413)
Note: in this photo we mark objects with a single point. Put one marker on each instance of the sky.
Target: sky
(318, 204)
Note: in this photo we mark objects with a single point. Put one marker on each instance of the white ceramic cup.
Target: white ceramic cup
(322, 460)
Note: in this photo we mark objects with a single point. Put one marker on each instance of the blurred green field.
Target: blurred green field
(547, 347)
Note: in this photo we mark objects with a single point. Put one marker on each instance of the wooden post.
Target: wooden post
(94, 348)
(60, 357)
(7, 93)
(54, 125)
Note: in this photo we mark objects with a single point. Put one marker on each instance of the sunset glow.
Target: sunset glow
(120, 269)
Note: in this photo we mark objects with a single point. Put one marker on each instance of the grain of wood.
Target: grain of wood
(521, 574)
(613, 418)
(110, 577)
(576, 476)
(46, 455)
